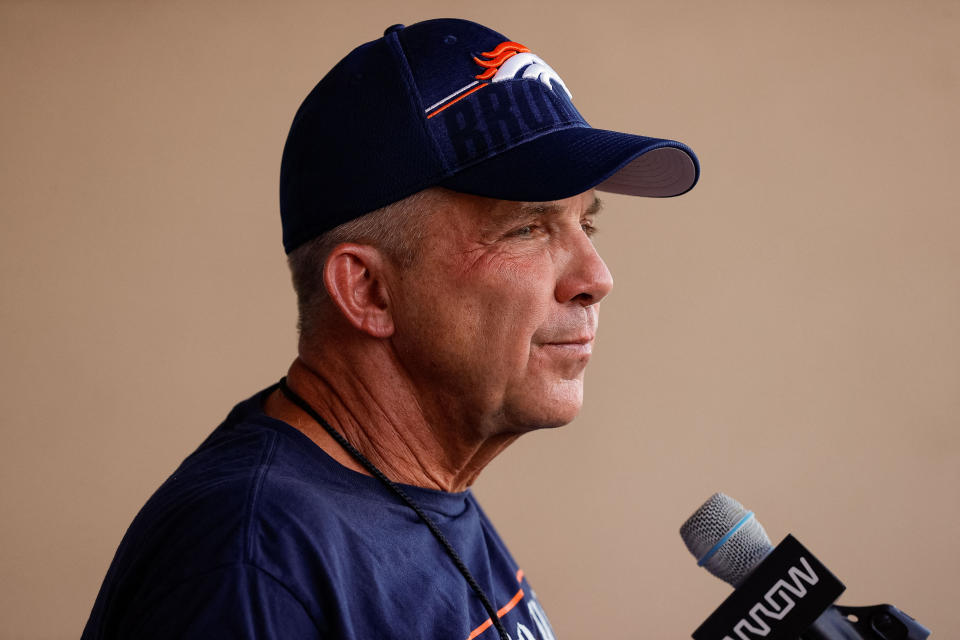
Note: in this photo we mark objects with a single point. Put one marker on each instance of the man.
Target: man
(437, 202)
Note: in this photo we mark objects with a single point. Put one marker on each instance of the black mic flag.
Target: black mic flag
(781, 593)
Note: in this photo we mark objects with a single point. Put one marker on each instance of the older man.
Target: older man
(438, 202)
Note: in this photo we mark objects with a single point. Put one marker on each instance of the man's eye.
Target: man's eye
(526, 230)
(588, 229)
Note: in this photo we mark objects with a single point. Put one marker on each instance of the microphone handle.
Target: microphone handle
(879, 622)
(832, 625)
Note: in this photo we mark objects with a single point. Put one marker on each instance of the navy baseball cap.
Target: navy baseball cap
(454, 104)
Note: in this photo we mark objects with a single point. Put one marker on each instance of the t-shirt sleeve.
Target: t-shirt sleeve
(235, 601)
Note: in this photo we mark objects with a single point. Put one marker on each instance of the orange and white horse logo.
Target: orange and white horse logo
(508, 61)
(511, 60)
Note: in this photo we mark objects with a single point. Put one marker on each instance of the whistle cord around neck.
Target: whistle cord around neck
(400, 493)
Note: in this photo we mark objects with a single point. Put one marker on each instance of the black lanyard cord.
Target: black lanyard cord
(375, 472)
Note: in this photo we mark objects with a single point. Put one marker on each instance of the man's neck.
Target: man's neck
(385, 422)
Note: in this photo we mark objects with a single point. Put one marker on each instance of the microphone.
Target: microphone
(782, 592)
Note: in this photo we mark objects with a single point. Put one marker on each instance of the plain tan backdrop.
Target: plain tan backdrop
(788, 333)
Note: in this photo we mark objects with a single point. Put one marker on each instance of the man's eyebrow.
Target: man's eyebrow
(535, 209)
(595, 207)
(532, 209)
(518, 211)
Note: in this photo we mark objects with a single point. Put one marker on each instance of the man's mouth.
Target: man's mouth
(574, 346)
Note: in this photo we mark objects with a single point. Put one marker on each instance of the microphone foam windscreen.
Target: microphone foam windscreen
(740, 553)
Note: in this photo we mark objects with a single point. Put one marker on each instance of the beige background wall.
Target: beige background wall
(787, 333)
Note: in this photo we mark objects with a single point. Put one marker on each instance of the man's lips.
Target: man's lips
(580, 345)
(583, 340)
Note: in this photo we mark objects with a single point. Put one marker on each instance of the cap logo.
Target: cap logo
(511, 60)
(508, 61)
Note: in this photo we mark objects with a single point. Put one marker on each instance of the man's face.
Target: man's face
(495, 321)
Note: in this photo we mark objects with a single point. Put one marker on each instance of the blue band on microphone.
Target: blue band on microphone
(709, 554)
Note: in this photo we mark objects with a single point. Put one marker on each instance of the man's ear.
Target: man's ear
(354, 275)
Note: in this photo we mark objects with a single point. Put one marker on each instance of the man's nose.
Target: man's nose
(584, 277)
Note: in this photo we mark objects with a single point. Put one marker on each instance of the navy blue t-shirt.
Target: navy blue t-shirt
(260, 534)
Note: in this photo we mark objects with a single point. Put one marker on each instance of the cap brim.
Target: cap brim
(565, 163)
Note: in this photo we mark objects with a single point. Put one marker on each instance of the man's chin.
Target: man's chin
(554, 408)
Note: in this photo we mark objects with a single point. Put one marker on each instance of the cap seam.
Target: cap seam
(393, 40)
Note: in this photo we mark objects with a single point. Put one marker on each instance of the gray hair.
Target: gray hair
(397, 229)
